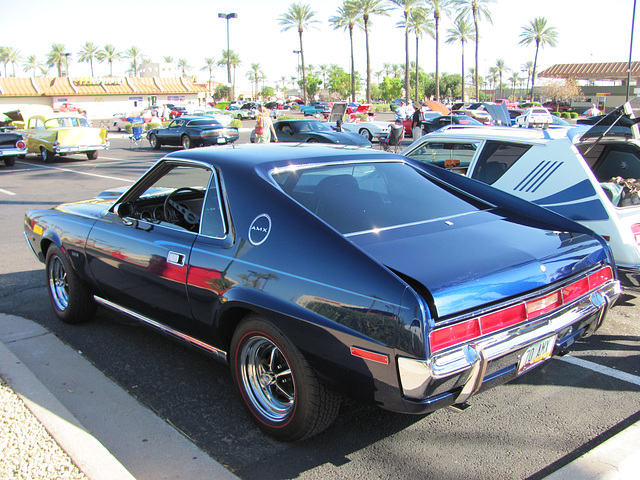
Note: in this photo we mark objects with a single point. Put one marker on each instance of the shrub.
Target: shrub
(151, 126)
(235, 123)
(565, 115)
(574, 114)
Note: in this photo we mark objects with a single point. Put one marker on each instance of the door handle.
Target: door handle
(175, 258)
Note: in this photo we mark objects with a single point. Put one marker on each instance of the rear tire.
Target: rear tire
(46, 155)
(9, 161)
(281, 392)
(366, 134)
(70, 299)
(186, 142)
(92, 155)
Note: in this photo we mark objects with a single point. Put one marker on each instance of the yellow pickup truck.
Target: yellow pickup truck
(48, 133)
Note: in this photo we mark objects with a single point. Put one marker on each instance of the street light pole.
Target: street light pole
(227, 16)
(633, 18)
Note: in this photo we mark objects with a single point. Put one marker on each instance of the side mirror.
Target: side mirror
(125, 209)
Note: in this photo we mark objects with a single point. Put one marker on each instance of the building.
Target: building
(100, 97)
(603, 84)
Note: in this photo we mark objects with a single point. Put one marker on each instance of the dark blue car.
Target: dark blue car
(192, 131)
(316, 270)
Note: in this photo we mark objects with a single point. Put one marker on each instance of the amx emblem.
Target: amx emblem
(259, 229)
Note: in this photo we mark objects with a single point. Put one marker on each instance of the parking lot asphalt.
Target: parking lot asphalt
(110, 435)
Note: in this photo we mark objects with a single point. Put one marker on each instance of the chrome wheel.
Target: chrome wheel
(58, 284)
(267, 378)
(366, 133)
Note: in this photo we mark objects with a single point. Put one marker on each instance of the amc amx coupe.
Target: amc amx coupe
(317, 270)
(192, 131)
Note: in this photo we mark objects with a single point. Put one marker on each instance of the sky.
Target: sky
(588, 31)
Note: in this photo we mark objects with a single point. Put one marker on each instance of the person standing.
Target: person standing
(401, 111)
(416, 124)
(264, 127)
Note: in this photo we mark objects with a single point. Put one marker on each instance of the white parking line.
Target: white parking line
(611, 372)
(6, 192)
(80, 173)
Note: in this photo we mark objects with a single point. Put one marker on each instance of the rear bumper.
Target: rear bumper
(12, 152)
(80, 149)
(452, 376)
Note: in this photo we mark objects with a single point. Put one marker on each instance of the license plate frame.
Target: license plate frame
(536, 354)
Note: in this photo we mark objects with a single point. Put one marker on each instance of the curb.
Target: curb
(107, 433)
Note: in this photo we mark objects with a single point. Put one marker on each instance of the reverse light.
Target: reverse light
(635, 230)
(476, 327)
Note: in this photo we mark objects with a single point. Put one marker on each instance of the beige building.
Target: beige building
(100, 97)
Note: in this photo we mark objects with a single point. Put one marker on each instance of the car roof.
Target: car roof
(269, 156)
(530, 135)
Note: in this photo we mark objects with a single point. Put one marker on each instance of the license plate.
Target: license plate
(536, 354)
(222, 140)
(82, 147)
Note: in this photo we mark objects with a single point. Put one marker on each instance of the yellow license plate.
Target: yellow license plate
(536, 354)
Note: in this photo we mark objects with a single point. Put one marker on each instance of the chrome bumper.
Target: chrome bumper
(463, 369)
(12, 152)
(83, 149)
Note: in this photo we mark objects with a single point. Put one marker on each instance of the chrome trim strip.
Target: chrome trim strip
(26, 237)
(471, 359)
(219, 354)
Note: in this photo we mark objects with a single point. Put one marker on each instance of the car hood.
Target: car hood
(476, 259)
(94, 208)
(345, 138)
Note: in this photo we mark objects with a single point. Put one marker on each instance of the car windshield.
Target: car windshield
(66, 122)
(374, 196)
(312, 126)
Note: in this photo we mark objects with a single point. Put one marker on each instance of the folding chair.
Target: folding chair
(397, 134)
(137, 127)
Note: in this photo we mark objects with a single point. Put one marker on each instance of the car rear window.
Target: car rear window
(365, 197)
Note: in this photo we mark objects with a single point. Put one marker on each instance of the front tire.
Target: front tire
(186, 142)
(280, 390)
(153, 141)
(70, 299)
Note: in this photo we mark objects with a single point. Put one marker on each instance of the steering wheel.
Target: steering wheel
(186, 215)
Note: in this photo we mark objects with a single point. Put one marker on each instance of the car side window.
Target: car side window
(495, 159)
(446, 154)
(213, 223)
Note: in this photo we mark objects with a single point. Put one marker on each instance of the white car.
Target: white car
(224, 118)
(369, 130)
(535, 117)
(579, 173)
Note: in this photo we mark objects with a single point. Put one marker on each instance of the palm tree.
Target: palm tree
(209, 65)
(538, 32)
(462, 32)
(514, 79)
(31, 64)
(347, 18)
(438, 8)
(167, 59)
(13, 55)
(493, 79)
(234, 61)
(184, 66)
(501, 68)
(4, 58)
(87, 54)
(57, 57)
(419, 24)
(109, 54)
(477, 9)
(367, 8)
(407, 7)
(135, 54)
(527, 67)
(254, 75)
(299, 16)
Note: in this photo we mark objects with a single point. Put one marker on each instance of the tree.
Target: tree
(4, 58)
(493, 78)
(477, 9)
(367, 8)
(234, 62)
(514, 80)
(462, 32)
(184, 66)
(527, 67)
(254, 75)
(135, 54)
(419, 24)
(408, 7)
(109, 54)
(209, 65)
(313, 83)
(12, 55)
(561, 90)
(32, 64)
(57, 57)
(538, 32)
(87, 54)
(390, 88)
(438, 8)
(347, 18)
(300, 17)
(501, 68)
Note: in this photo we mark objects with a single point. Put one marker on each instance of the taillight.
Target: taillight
(635, 230)
(21, 145)
(476, 327)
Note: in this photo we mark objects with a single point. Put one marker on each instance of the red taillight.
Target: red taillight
(468, 330)
(21, 145)
(635, 230)
(601, 276)
(503, 318)
(459, 333)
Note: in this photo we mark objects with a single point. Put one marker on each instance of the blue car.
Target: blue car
(192, 131)
(320, 270)
(313, 131)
